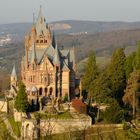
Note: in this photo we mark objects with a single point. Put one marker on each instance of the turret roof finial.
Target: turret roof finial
(14, 71)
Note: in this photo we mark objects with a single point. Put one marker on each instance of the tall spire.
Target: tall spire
(33, 59)
(40, 11)
(41, 23)
(56, 59)
(33, 18)
(53, 39)
(14, 72)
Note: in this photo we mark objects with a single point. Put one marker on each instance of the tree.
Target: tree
(101, 89)
(132, 131)
(21, 102)
(132, 90)
(90, 73)
(137, 58)
(116, 73)
(129, 64)
(114, 113)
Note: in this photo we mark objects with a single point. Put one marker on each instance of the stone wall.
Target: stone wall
(17, 115)
(3, 105)
(53, 126)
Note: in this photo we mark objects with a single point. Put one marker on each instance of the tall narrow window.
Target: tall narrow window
(40, 91)
(41, 41)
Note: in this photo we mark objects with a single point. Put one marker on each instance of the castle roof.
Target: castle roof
(41, 53)
(14, 72)
(53, 40)
(41, 27)
(64, 58)
(65, 66)
(56, 59)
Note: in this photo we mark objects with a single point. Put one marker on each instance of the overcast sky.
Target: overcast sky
(96, 10)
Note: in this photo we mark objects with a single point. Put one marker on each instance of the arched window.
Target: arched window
(41, 41)
(51, 90)
(46, 89)
(45, 41)
(40, 91)
(37, 41)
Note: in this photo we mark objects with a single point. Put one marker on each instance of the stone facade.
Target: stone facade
(54, 126)
(45, 69)
(3, 105)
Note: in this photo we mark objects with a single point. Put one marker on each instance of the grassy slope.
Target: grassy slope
(15, 126)
(94, 134)
(4, 134)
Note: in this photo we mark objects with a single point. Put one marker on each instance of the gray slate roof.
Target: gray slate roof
(14, 72)
(56, 59)
(63, 57)
(41, 27)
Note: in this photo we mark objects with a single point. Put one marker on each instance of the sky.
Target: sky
(54, 10)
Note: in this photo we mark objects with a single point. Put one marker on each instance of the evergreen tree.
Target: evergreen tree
(116, 73)
(114, 113)
(129, 64)
(132, 90)
(90, 73)
(137, 58)
(21, 102)
(101, 89)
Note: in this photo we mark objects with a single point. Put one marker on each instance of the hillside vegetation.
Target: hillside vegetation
(102, 43)
(103, 39)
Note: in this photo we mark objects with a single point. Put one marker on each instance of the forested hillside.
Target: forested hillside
(102, 43)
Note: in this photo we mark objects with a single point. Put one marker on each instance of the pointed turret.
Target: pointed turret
(53, 40)
(14, 77)
(41, 23)
(40, 12)
(14, 72)
(74, 62)
(56, 60)
(33, 59)
(33, 19)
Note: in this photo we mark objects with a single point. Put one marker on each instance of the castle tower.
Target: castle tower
(14, 77)
(13, 89)
(43, 34)
(49, 70)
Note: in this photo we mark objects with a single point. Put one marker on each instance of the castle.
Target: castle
(45, 69)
